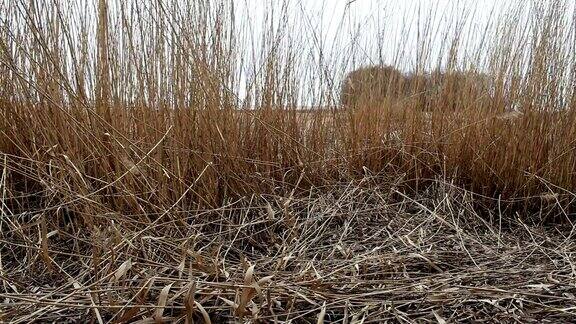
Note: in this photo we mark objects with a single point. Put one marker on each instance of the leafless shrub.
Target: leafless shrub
(370, 85)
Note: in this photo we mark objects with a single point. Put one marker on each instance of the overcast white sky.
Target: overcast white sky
(332, 37)
(371, 31)
(336, 22)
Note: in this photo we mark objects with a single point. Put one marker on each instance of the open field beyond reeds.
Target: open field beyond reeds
(156, 165)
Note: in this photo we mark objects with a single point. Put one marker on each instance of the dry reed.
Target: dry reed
(137, 185)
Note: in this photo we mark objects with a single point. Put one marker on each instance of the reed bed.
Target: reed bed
(157, 165)
(346, 253)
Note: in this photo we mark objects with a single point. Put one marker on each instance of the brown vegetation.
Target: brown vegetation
(135, 186)
(371, 84)
(449, 90)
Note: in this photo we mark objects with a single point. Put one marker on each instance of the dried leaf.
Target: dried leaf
(248, 292)
(229, 303)
(122, 270)
(322, 314)
(203, 312)
(270, 211)
(266, 279)
(162, 303)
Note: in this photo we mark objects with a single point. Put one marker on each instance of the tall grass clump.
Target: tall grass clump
(143, 103)
(149, 147)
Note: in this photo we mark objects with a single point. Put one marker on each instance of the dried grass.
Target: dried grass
(353, 251)
(136, 186)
